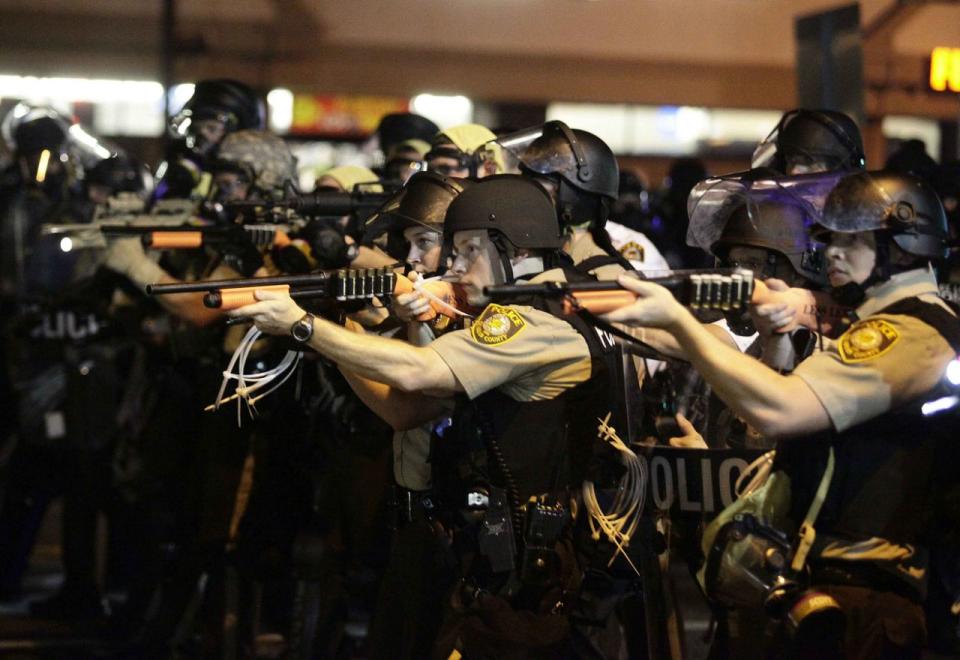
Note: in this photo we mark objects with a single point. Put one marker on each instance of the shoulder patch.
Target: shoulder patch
(497, 325)
(632, 251)
(867, 340)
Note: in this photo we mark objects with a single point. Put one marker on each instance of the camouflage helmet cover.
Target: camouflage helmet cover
(262, 156)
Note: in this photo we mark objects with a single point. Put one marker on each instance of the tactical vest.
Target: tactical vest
(890, 470)
(513, 450)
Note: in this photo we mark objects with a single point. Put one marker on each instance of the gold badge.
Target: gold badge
(632, 251)
(867, 340)
(497, 325)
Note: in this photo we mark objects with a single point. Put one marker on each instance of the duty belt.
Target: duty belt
(410, 505)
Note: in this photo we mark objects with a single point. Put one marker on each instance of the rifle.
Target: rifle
(122, 215)
(344, 285)
(727, 291)
(321, 203)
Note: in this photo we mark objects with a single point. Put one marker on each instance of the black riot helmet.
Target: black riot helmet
(582, 165)
(230, 102)
(513, 209)
(824, 140)
(46, 131)
(777, 226)
(899, 208)
(423, 201)
(902, 206)
(40, 141)
(119, 173)
(402, 126)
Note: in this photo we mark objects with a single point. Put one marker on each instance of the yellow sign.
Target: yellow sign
(945, 69)
(342, 115)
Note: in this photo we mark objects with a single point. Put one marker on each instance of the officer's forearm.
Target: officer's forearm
(187, 306)
(665, 343)
(390, 361)
(773, 404)
(401, 410)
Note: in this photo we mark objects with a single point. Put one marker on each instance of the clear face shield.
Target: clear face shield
(765, 155)
(549, 156)
(713, 201)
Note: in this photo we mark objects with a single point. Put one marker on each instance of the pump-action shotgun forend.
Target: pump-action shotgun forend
(722, 290)
(344, 285)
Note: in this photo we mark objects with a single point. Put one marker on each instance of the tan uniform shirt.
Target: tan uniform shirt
(528, 354)
(583, 247)
(883, 360)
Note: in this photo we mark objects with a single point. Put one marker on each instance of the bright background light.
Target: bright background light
(280, 103)
(444, 111)
(953, 372)
(179, 95)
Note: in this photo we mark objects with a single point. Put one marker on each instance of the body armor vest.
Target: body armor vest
(890, 470)
(529, 447)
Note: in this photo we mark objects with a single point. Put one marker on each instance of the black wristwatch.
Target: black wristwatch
(302, 330)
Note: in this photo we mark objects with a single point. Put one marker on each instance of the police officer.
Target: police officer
(808, 141)
(63, 358)
(581, 174)
(404, 140)
(525, 379)
(217, 108)
(861, 398)
(465, 151)
(419, 574)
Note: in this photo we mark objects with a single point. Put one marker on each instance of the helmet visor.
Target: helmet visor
(859, 203)
(765, 154)
(518, 142)
(713, 200)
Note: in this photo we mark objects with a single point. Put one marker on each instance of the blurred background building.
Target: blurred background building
(656, 80)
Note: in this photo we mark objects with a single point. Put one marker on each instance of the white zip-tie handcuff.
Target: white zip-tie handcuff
(250, 384)
(758, 471)
(620, 524)
(418, 286)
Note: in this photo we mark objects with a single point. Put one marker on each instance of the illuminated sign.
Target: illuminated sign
(945, 69)
(342, 116)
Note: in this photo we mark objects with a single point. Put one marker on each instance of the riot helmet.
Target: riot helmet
(581, 159)
(39, 139)
(902, 207)
(423, 201)
(515, 212)
(402, 126)
(578, 169)
(469, 149)
(262, 159)
(217, 108)
(779, 227)
(421, 204)
(810, 141)
(117, 174)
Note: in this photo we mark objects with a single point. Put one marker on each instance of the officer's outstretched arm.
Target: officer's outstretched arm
(126, 257)
(401, 410)
(389, 361)
(775, 405)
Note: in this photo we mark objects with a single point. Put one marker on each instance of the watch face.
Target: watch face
(302, 330)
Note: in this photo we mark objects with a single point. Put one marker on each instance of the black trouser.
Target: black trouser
(417, 580)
